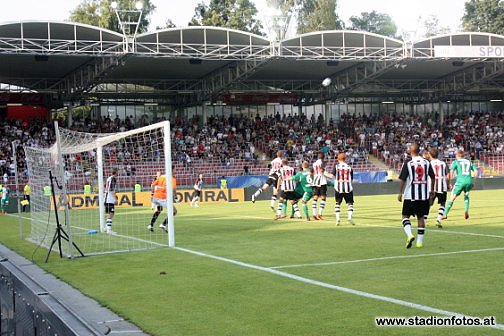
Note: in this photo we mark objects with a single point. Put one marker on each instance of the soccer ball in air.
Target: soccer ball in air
(326, 82)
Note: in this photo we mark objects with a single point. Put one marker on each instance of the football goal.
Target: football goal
(80, 164)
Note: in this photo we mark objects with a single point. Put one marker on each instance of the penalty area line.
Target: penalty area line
(438, 231)
(335, 287)
(387, 258)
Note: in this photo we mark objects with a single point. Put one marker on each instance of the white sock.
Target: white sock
(407, 226)
(314, 207)
(279, 209)
(321, 207)
(350, 211)
(440, 213)
(273, 200)
(420, 235)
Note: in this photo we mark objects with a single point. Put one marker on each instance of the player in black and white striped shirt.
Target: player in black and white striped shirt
(110, 199)
(198, 185)
(286, 185)
(275, 165)
(441, 183)
(417, 193)
(319, 187)
(343, 176)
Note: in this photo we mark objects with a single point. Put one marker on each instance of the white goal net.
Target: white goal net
(80, 164)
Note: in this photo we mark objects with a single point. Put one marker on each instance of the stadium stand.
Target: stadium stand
(241, 145)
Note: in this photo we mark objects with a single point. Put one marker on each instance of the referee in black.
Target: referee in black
(417, 191)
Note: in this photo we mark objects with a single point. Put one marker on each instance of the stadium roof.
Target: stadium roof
(184, 66)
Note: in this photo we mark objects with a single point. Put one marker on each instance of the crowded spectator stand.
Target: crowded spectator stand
(244, 145)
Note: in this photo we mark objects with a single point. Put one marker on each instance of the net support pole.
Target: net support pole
(101, 189)
(169, 187)
(64, 192)
(14, 156)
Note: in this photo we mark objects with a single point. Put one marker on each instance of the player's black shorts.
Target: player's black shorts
(297, 196)
(320, 191)
(109, 208)
(272, 180)
(441, 197)
(197, 193)
(348, 197)
(290, 195)
(415, 208)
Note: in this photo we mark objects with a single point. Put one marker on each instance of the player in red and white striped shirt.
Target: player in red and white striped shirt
(287, 185)
(319, 187)
(343, 176)
(441, 182)
(276, 164)
(417, 191)
(110, 199)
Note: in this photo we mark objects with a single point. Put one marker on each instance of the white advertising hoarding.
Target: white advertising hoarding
(469, 51)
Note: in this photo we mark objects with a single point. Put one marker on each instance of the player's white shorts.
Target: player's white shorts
(159, 201)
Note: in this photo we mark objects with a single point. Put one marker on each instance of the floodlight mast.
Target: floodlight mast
(126, 19)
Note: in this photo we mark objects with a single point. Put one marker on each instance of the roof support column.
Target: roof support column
(327, 111)
(69, 119)
(204, 112)
(441, 113)
(411, 109)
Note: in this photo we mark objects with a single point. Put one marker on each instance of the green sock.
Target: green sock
(305, 210)
(466, 203)
(284, 208)
(304, 206)
(292, 210)
(449, 204)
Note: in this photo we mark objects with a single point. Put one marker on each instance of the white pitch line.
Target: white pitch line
(388, 258)
(439, 231)
(338, 288)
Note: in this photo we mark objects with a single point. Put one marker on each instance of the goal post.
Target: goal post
(83, 162)
(169, 186)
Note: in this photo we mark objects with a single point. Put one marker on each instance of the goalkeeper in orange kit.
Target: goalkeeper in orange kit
(159, 199)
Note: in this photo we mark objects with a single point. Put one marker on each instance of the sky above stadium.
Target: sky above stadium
(407, 14)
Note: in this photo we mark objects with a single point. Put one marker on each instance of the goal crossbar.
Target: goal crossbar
(80, 158)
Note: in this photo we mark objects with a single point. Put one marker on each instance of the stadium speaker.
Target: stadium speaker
(41, 58)
(332, 63)
(457, 63)
(195, 61)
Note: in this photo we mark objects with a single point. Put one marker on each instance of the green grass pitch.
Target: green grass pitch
(460, 270)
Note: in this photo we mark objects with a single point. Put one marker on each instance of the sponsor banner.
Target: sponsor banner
(469, 51)
(370, 177)
(212, 195)
(141, 199)
(256, 181)
(245, 181)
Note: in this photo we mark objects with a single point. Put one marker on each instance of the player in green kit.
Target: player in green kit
(465, 182)
(304, 187)
(4, 201)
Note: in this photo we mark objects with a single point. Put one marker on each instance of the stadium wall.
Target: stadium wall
(28, 309)
(34, 302)
(12, 207)
(369, 189)
(245, 194)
